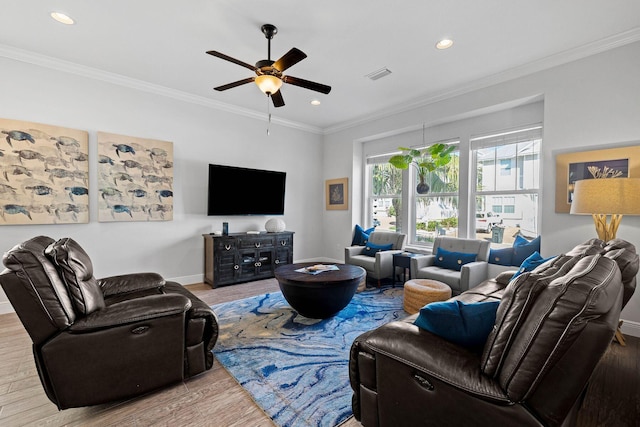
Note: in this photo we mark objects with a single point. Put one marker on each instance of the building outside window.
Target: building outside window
(436, 212)
(385, 194)
(508, 201)
(502, 170)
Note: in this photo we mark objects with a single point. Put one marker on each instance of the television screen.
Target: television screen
(243, 191)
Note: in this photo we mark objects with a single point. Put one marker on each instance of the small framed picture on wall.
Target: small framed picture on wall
(337, 194)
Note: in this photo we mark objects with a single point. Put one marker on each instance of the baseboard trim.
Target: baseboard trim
(630, 328)
(187, 280)
(6, 307)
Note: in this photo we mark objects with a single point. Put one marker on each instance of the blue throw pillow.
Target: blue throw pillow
(503, 256)
(452, 260)
(371, 249)
(523, 248)
(361, 236)
(465, 324)
(532, 261)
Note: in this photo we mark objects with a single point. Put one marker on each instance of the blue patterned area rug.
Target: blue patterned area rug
(295, 368)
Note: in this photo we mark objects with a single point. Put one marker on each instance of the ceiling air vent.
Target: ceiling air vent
(378, 74)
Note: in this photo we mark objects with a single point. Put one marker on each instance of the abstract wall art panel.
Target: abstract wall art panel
(135, 179)
(44, 174)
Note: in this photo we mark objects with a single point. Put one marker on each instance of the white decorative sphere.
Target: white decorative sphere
(274, 225)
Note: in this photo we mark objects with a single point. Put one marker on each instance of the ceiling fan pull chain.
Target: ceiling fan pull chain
(269, 113)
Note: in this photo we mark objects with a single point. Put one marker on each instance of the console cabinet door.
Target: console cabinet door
(226, 268)
(284, 249)
(256, 263)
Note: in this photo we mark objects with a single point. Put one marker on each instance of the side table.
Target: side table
(402, 260)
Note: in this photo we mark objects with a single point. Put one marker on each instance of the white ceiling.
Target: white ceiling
(159, 45)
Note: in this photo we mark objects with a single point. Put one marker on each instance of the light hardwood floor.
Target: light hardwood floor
(215, 399)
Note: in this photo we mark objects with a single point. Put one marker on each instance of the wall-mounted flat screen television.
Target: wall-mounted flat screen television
(242, 191)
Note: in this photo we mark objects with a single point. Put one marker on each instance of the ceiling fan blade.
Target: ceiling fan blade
(289, 59)
(234, 84)
(277, 99)
(230, 59)
(296, 81)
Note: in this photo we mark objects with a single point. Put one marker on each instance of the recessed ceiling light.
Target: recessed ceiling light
(444, 44)
(62, 18)
(315, 102)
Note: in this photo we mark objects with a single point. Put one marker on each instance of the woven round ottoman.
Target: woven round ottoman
(420, 292)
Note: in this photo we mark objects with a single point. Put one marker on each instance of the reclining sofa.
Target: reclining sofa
(552, 326)
(96, 341)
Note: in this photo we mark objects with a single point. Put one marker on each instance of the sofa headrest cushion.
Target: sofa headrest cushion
(518, 298)
(76, 270)
(29, 262)
(590, 292)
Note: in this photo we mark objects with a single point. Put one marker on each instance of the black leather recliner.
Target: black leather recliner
(96, 341)
(552, 327)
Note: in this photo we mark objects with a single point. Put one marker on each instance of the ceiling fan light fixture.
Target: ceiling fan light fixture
(268, 84)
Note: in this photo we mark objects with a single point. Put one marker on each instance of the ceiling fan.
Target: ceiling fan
(269, 76)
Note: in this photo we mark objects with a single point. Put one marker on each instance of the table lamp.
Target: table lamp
(606, 196)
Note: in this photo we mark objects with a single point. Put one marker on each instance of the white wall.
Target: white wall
(201, 135)
(588, 103)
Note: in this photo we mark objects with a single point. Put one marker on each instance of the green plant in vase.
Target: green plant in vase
(426, 160)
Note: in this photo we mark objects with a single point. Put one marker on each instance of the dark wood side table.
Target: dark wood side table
(403, 261)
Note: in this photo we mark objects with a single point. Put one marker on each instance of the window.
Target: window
(505, 167)
(511, 196)
(385, 194)
(436, 212)
(489, 191)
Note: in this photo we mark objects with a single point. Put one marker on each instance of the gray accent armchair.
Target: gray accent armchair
(381, 266)
(470, 275)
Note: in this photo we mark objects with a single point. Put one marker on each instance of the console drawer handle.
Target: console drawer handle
(425, 383)
(235, 267)
(283, 243)
(227, 247)
(257, 244)
(277, 261)
(258, 264)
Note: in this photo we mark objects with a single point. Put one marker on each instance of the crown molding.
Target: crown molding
(551, 61)
(545, 63)
(120, 80)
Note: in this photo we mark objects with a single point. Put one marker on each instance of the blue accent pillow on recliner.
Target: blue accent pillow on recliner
(371, 249)
(464, 324)
(361, 236)
(452, 260)
(523, 248)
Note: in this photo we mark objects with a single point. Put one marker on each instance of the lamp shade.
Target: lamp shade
(268, 84)
(607, 196)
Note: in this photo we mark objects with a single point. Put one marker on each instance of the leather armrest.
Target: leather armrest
(431, 354)
(130, 283)
(147, 308)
